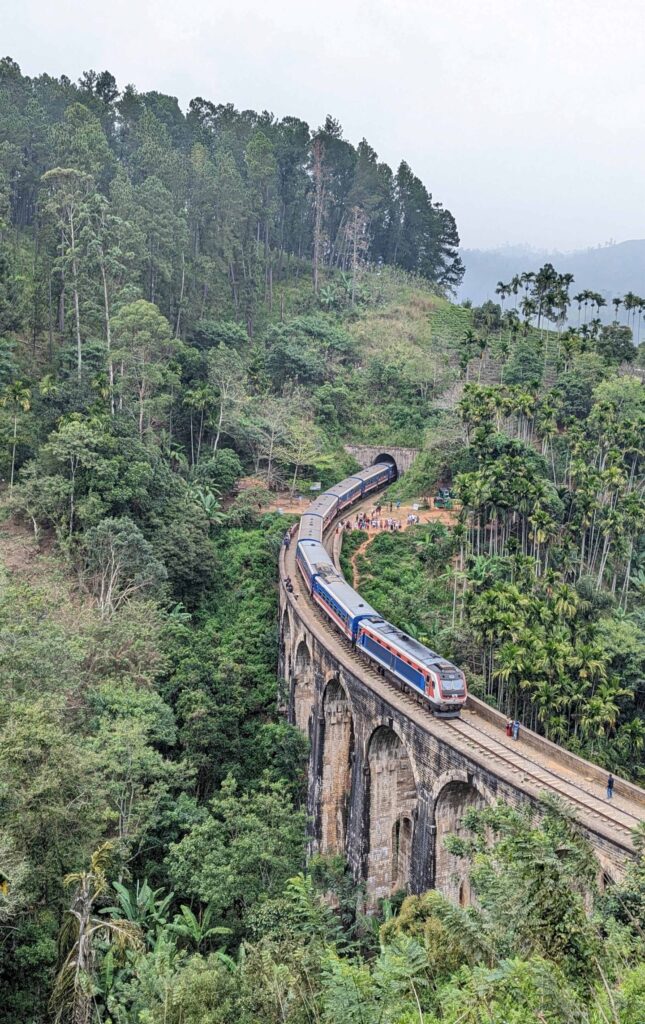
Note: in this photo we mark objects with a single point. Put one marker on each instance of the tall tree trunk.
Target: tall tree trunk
(61, 297)
(219, 427)
(181, 294)
(319, 198)
(201, 432)
(13, 450)
(108, 333)
(77, 310)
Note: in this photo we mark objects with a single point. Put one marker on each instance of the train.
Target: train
(430, 676)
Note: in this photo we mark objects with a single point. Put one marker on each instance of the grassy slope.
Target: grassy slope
(410, 338)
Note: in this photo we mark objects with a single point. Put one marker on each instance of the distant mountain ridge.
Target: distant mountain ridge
(609, 269)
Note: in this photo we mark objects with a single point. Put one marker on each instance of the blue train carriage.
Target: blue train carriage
(443, 685)
(311, 528)
(340, 602)
(317, 517)
(312, 558)
(377, 476)
(347, 492)
(325, 506)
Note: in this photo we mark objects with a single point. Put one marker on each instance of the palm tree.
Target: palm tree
(529, 309)
(198, 400)
(469, 342)
(527, 279)
(503, 290)
(17, 397)
(481, 345)
(579, 298)
(629, 302)
(75, 983)
(616, 303)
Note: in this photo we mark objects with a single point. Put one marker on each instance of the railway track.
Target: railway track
(525, 768)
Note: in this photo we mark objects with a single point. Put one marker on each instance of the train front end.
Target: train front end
(450, 691)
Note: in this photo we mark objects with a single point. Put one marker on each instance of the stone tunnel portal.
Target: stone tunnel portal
(389, 459)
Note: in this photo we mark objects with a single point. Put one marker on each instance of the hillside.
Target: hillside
(608, 269)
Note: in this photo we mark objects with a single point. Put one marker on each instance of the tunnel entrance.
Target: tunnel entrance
(389, 459)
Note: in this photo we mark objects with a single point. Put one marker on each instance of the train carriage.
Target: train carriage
(325, 506)
(313, 558)
(341, 603)
(317, 517)
(442, 684)
(311, 528)
(347, 491)
(377, 476)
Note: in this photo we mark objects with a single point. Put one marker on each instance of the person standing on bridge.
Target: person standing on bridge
(610, 786)
(509, 727)
(516, 729)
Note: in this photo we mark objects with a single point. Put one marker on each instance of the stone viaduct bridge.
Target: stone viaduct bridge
(388, 781)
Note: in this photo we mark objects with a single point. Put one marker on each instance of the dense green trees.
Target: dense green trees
(215, 205)
(161, 337)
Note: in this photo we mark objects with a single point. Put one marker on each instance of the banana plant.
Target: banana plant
(144, 907)
(193, 931)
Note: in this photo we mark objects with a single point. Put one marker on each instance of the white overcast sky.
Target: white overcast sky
(525, 117)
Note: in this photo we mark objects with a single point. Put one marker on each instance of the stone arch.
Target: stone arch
(454, 793)
(303, 687)
(386, 457)
(392, 803)
(337, 758)
(285, 644)
(606, 873)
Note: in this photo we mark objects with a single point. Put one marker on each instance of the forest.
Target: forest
(197, 310)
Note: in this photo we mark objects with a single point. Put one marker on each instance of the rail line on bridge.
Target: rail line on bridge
(531, 766)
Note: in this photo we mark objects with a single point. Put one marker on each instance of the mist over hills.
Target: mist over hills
(608, 269)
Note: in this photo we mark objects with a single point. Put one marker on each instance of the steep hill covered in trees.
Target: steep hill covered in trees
(187, 299)
(196, 211)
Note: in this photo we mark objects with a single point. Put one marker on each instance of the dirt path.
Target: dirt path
(356, 576)
(434, 515)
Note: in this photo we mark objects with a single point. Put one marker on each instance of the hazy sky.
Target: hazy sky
(525, 117)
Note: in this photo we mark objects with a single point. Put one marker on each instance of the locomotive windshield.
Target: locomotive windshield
(452, 681)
